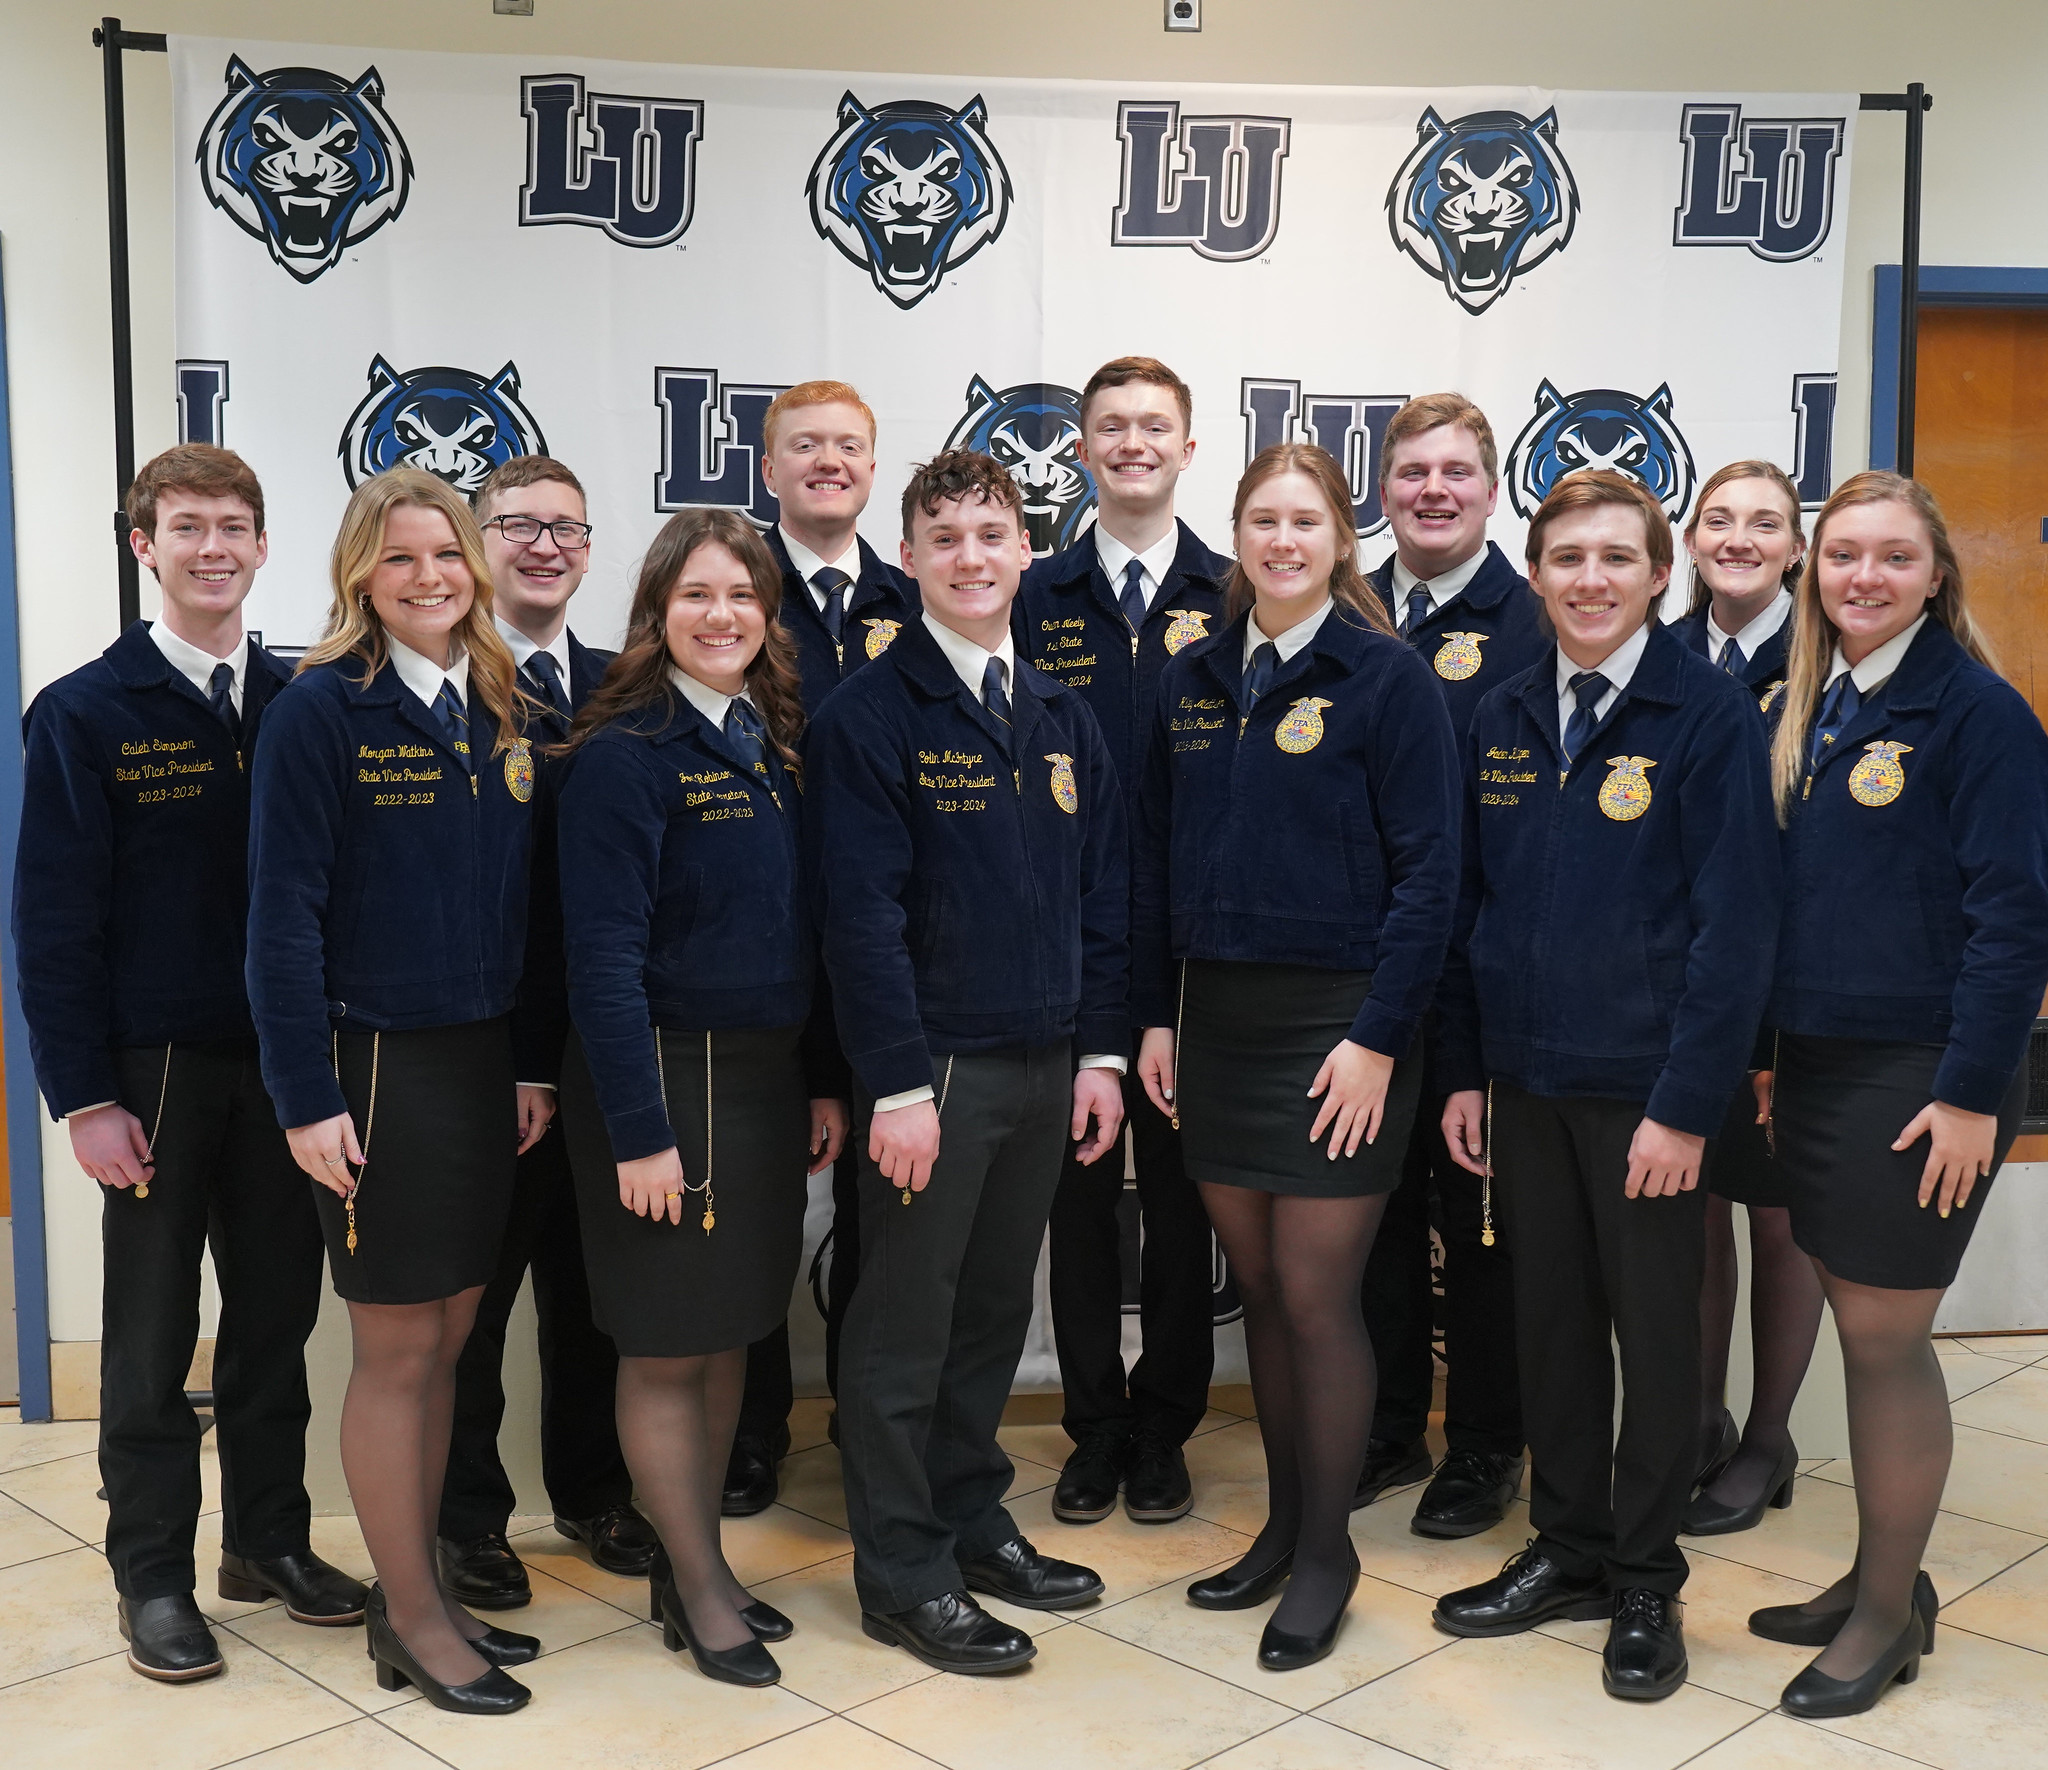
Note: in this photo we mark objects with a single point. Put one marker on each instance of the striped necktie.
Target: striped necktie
(448, 709)
(1587, 687)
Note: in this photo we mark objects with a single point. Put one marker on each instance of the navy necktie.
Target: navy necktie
(1838, 706)
(454, 722)
(1587, 688)
(993, 695)
(548, 674)
(220, 696)
(1732, 659)
(1132, 601)
(744, 730)
(1258, 677)
(1418, 609)
(833, 583)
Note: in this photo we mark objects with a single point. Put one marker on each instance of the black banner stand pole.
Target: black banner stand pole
(110, 40)
(1916, 103)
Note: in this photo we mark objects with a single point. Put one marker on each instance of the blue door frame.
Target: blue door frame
(1941, 285)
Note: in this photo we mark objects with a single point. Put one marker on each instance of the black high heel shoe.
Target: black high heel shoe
(748, 1664)
(492, 1694)
(1814, 1696)
(1230, 1590)
(1282, 1651)
(1807, 1628)
(1712, 1462)
(1709, 1517)
(768, 1623)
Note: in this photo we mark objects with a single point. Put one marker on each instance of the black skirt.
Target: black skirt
(1742, 1168)
(436, 1111)
(1251, 1040)
(676, 1290)
(1855, 1200)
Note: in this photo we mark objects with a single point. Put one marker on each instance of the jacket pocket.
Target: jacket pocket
(1362, 871)
(676, 913)
(924, 930)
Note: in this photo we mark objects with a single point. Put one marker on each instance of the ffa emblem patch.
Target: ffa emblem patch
(1625, 794)
(1063, 793)
(1771, 695)
(1459, 658)
(519, 771)
(1302, 728)
(880, 634)
(1187, 626)
(1878, 779)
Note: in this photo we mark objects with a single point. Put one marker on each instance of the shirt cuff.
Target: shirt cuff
(550, 1086)
(1122, 1065)
(909, 1097)
(79, 1112)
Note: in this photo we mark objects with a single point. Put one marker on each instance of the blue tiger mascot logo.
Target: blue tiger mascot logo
(451, 423)
(909, 191)
(1481, 200)
(1034, 430)
(307, 162)
(1601, 427)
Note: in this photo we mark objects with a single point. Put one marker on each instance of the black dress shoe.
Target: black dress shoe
(1088, 1483)
(492, 1694)
(1814, 1696)
(1156, 1485)
(168, 1639)
(483, 1574)
(952, 1634)
(749, 1664)
(1388, 1464)
(1644, 1660)
(618, 1538)
(1469, 1493)
(1018, 1574)
(1709, 1517)
(1529, 1589)
(768, 1623)
(313, 1592)
(1232, 1590)
(495, 1647)
(1281, 1650)
(751, 1478)
(1717, 1456)
(1807, 1628)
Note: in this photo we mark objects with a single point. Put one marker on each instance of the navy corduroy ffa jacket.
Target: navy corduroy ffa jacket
(1317, 827)
(880, 604)
(384, 893)
(1617, 921)
(131, 880)
(1916, 875)
(1759, 674)
(969, 877)
(1489, 632)
(1067, 622)
(682, 902)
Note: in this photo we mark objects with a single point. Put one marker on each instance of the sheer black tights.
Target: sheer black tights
(1297, 1263)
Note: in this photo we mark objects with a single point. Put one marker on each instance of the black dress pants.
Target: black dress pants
(1167, 1391)
(1600, 1269)
(224, 1178)
(1482, 1392)
(581, 1464)
(937, 1324)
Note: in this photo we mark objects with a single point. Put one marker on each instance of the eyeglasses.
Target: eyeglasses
(523, 531)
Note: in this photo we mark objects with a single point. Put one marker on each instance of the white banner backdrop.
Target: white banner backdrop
(445, 260)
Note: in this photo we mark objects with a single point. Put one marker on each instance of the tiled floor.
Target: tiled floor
(1139, 1682)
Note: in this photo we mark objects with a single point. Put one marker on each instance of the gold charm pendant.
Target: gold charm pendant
(710, 1220)
(142, 1189)
(349, 1205)
(906, 1195)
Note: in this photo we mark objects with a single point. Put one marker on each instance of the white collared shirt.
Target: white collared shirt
(1153, 564)
(523, 648)
(197, 667)
(809, 565)
(1295, 639)
(423, 676)
(1876, 670)
(706, 699)
(1618, 666)
(1754, 634)
(1441, 588)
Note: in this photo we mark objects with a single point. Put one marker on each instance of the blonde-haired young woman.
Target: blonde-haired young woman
(390, 838)
(1912, 784)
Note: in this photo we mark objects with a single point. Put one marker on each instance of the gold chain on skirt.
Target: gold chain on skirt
(1486, 1181)
(163, 1093)
(369, 1125)
(661, 1069)
(1180, 1010)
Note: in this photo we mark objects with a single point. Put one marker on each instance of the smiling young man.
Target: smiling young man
(536, 528)
(965, 847)
(1608, 968)
(1102, 618)
(131, 895)
(1455, 597)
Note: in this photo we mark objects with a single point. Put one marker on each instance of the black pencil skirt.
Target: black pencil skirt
(1251, 1040)
(436, 1111)
(1741, 1167)
(677, 1290)
(1855, 1200)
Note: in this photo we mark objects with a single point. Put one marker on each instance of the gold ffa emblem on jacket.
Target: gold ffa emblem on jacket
(880, 635)
(1458, 658)
(1187, 626)
(519, 770)
(1878, 779)
(1302, 727)
(1063, 793)
(1625, 794)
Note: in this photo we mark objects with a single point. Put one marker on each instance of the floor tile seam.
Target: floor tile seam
(381, 1717)
(1967, 1517)
(306, 1678)
(1993, 1431)
(1306, 1715)
(872, 1733)
(631, 1612)
(76, 1544)
(1903, 1757)
(1981, 1635)
(66, 1456)
(226, 1763)
(120, 1653)
(26, 1506)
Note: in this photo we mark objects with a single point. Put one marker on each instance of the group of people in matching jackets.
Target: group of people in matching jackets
(1439, 895)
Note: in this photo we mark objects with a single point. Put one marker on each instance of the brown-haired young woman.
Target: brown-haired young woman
(1912, 784)
(1296, 853)
(696, 1103)
(389, 858)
